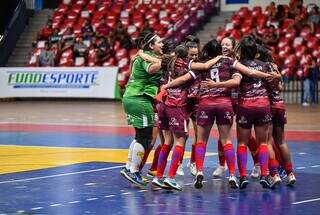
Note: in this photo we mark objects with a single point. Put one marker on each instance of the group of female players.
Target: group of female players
(209, 84)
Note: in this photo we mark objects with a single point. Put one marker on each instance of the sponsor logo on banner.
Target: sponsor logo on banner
(67, 82)
(69, 79)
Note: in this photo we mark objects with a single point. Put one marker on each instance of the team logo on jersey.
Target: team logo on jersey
(256, 85)
(203, 115)
(227, 115)
(174, 122)
(242, 120)
(267, 118)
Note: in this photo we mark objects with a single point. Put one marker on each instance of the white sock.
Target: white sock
(137, 155)
(128, 164)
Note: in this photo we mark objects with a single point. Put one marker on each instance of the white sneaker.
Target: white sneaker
(198, 184)
(219, 172)
(291, 179)
(233, 182)
(193, 169)
(256, 171)
(305, 104)
(180, 170)
(274, 181)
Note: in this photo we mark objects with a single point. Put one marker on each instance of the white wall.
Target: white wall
(262, 3)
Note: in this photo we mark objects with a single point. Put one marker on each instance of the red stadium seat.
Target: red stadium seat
(110, 62)
(77, 8)
(305, 32)
(63, 8)
(300, 51)
(287, 23)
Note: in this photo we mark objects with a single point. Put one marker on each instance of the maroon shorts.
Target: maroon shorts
(278, 116)
(175, 119)
(206, 115)
(258, 116)
(192, 107)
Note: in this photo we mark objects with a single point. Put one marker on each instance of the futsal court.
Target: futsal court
(65, 157)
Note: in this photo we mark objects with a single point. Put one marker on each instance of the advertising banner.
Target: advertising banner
(76, 82)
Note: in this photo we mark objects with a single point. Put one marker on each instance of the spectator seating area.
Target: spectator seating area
(101, 32)
(288, 30)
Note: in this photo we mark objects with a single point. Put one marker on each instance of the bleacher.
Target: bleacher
(168, 18)
(297, 44)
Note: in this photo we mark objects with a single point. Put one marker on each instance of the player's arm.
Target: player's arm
(154, 67)
(249, 72)
(276, 78)
(231, 83)
(180, 80)
(206, 65)
(148, 58)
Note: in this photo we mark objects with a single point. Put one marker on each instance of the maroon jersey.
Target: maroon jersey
(177, 96)
(253, 91)
(221, 71)
(275, 95)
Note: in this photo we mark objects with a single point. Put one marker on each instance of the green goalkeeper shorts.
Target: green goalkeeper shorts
(139, 111)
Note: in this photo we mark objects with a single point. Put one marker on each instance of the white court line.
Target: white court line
(301, 167)
(37, 208)
(91, 199)
(74, 202)
(109, 196)
(305, 201)
(126, 193)
(315, 166)
(55, 205)
(60, 175)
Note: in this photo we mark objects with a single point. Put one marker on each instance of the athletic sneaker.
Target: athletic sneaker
(256, 171)
(218, 173)
(243, 182)
(273, 181)
(233, 182)
(193, 169)
(152, 173)
(171, 182)
(159, 183)
(125, 173)
(180, 170)
(291, 180)
(264, 182)
(198, 182)
(282, 173)
(144, 178)
(136, 178)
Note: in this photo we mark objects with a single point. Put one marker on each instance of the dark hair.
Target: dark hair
(139, 41)
(248, 48)
(192, 38)
(168, 46)
(211, 49)
(191, 44)
(264, 54)
(148, 40)
(168, 62)
(181, 51)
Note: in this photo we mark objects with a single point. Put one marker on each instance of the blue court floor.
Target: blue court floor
(96, 187)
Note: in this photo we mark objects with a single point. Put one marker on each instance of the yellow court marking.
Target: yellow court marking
(25, 158)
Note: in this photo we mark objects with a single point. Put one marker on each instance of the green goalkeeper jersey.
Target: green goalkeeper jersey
(141, 82)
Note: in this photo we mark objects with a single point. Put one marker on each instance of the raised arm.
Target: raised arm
(178, 81)
(148, 58)
(231, 83)
(250, 72)
(154, 67)
(206, 65)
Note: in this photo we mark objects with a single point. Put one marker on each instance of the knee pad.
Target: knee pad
(144, 136)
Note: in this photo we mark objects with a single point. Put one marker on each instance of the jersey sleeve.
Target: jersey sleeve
(145, 65)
